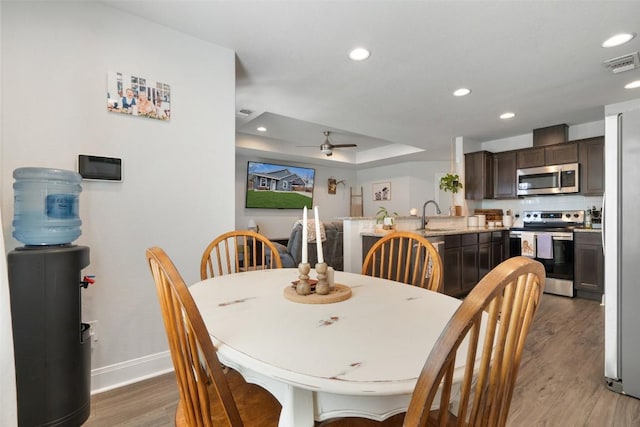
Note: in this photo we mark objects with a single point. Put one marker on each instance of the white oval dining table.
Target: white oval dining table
(358, 357)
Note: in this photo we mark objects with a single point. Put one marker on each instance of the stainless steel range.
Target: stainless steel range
(548, 237)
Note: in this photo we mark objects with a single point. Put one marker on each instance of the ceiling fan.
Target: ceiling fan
(327, 147)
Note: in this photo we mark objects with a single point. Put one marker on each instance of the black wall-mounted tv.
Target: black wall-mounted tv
(272, 186)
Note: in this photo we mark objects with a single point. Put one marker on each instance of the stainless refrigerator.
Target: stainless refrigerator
(621, 231)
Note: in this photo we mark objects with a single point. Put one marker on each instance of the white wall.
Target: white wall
(277, 223)
(8, 403)
(412, 184)
(177, 191)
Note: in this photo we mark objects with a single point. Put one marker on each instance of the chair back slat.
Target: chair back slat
(236, 251)
(496, 314)
(405, 257)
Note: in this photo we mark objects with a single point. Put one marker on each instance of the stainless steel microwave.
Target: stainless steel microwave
(555, 179)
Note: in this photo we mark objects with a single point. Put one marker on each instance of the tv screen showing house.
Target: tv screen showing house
(272, 186)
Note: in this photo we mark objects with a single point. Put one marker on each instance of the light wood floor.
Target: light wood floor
(560, 381)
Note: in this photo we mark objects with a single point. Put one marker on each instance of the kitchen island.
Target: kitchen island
(468, 253)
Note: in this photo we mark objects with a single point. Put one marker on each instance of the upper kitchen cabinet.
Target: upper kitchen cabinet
(549, 148)
(530, 157)
(561, 153)
(592, 163)
(504, 175)
(558, 154)
(478, 172)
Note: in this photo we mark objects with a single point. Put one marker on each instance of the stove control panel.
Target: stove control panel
(554, 218)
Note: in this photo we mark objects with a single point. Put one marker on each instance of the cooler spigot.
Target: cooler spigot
(86, 281)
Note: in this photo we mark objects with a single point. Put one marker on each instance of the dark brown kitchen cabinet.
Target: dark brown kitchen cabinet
(452, 266)
(467, 258)
(469, 250)
(544, 156)
(499, 247)
(589, 265)
(478, 171)
(367, 243)
(591, 155)
(561, 153)
(485, 260)
(530, 158)
(491, 250)
(504, 175)
(550, 135)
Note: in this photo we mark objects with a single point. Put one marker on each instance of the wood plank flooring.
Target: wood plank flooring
(561, 379)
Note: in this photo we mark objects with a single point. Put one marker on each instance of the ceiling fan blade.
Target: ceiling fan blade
(343, 145)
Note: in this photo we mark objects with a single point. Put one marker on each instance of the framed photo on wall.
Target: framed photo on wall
(138, 96)
(381, 191)
(332, 185)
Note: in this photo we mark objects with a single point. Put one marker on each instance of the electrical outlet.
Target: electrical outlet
(93, 332)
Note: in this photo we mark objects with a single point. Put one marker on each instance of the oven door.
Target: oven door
(559, 269)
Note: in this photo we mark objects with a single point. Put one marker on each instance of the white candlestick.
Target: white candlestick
(318, 239)
(305, 258)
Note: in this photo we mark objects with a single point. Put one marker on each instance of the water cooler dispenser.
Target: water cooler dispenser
(52, 346)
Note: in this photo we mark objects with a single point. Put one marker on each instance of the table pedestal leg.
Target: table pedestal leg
(297, 408)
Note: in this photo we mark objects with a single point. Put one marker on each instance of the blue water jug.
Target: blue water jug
(46, 205)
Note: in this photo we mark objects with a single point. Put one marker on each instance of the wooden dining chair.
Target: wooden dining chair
(240, 250)
(208, 396)
(504, 302)
(405, 257)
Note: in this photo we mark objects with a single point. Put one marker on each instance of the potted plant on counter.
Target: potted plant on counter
(386, 218)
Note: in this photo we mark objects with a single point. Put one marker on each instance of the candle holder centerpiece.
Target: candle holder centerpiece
(323, 290)
(303, 287)
(322, 287)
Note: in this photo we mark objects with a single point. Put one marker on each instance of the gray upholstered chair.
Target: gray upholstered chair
(331, 247)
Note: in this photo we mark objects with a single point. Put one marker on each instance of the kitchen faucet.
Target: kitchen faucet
(424, 209)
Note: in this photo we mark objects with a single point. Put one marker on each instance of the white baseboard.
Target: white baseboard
(130, 371)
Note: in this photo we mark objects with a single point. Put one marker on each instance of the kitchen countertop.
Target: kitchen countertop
(437, 232)
(587, 230)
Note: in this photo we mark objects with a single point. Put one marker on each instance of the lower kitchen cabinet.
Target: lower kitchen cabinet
(467, 258)
(589, 265)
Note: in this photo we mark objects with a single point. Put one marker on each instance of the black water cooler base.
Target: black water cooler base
(52, 346)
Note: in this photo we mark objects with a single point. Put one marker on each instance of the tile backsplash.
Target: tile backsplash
(543, 203)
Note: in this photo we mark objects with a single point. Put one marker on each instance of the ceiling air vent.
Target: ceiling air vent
(623, 63)
(244, 112)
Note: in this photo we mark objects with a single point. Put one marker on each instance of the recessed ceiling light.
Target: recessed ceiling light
(618, 39)
(359, 54)
(261, 129)
(462, 92)
(633, 85)
(505, 116)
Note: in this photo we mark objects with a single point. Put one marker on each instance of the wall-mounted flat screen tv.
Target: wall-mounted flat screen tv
(272, 186)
